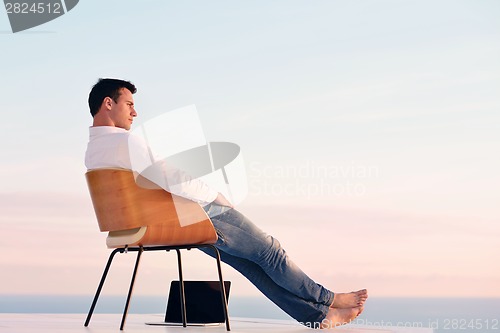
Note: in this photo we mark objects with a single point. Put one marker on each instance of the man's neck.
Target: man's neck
(102, 118)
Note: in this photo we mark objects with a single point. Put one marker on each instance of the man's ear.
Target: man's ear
(107, 102)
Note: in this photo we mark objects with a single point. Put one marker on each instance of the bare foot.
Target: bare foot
(337, 317)
(349, 300)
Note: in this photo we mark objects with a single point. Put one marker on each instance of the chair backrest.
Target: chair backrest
(121, 204)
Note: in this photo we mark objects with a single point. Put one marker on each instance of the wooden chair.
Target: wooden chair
(143, 219)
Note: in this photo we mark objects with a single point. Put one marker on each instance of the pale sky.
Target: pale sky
(370, 132)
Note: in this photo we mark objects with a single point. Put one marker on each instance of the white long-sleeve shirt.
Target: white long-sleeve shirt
(110, 147)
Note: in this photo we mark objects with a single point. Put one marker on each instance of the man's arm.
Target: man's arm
(150, 166)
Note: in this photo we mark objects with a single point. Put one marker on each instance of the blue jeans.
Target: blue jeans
(262, 260)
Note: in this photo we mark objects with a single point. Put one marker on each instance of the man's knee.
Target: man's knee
(274, 252)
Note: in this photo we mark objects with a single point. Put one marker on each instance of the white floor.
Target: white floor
(106, 323)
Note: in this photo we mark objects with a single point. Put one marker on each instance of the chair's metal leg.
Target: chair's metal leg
(139, 252)
(101, 283)
(166, 306)
(222, 287)
(181, 288)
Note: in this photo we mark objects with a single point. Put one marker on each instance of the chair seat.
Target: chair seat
(162, 235)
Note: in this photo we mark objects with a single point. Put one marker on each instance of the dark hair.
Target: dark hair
(107, 88)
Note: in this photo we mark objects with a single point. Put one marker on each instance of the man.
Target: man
(258, 256)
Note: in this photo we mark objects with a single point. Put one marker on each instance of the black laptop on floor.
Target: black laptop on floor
(203, 303)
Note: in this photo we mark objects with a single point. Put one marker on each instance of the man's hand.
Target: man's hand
(221, 200)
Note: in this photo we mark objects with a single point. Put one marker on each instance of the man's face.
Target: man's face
(122, 112)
